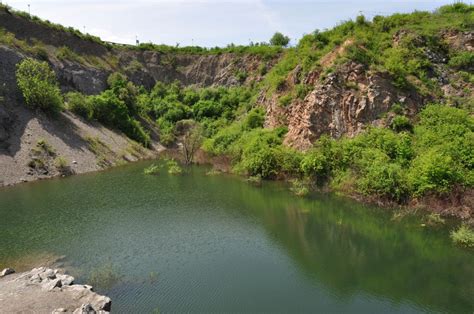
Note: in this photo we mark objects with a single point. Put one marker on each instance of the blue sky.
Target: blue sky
(209, 22)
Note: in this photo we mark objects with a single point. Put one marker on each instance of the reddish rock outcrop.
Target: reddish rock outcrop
(343, 104)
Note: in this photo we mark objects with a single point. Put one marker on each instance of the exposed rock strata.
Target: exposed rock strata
(342, 104)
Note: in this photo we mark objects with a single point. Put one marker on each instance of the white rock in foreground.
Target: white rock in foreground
(44, 290)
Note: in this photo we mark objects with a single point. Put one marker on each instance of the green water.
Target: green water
(215, 243)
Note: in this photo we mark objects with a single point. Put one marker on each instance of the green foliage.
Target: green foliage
(433, 171)
(278, 39)
(257, 151)
(65, 53)
(173, 167)
(316, 164)
(39, 86)
(378, 176)
(79, 104)
(435, 156)
(401, 123)
(153, 169)
(213, 108)
(285, 100)
(241, 76)
(116, 107)
(464, 236)
(62, 165)
(254, 119)
(43, 146)
(457, 7)
(462, 60)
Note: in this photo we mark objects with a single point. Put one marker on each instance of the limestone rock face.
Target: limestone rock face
(342, 104)
(44, 290)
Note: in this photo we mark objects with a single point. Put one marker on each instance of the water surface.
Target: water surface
(215, 243)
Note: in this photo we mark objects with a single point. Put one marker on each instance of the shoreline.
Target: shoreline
(48, 290)
(428, 204)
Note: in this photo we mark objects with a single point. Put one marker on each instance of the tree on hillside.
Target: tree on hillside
(278, 39)
(191, 138)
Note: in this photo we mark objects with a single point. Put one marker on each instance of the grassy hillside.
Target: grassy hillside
(408, 46)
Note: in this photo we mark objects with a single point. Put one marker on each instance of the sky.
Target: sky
(209, 23)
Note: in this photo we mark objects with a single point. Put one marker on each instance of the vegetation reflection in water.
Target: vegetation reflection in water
(197, 242)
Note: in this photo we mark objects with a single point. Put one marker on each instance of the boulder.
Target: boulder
(7, 271)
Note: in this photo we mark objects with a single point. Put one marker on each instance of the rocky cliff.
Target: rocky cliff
(354, 95)
(84, 64)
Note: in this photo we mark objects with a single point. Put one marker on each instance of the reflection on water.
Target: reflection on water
(214, 243)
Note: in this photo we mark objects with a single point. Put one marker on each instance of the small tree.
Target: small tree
(279, 39)
(38, 85)
(191, 138)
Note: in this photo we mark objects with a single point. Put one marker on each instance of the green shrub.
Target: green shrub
(464, 235)
(457, 7)
(378, 176)
(401, 123)
(173, 167)
(221, 142)
(241, 76)
(462, 60)
(254, 119)
(285, 100)
(43, 145)
(38, 85)
(153, 169)
(316, 164)
(433, 171)
(278, 39)
(257, 152)
(397, 109)
(79, 104)
(62, 165)
(65, 53)
(261, 162)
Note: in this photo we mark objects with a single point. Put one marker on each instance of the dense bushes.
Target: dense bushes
(212, 107)
(463, 60)
(38, 85)
(116, 107)
(433, 158)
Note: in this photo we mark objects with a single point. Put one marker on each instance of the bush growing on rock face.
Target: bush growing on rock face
(462, 60)
(79, 104)
(39, 86)
(254, 119)
(401, 123)
(116, 107)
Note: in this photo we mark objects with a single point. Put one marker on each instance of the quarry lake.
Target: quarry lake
(198, 243)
